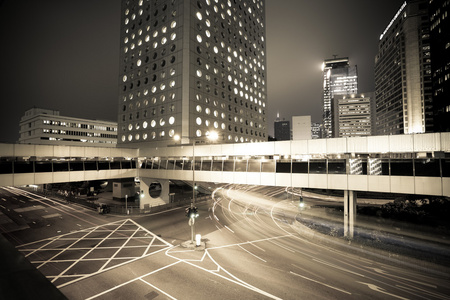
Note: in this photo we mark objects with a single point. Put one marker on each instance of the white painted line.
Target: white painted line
(337, 267)
(324, 284)
(161, 291)
(132, 280)
(118, 250)
(51, 216)
(149, 245)
(251, 253)
(30, 208)
(284, 247)
(87, 253)
(256, 246)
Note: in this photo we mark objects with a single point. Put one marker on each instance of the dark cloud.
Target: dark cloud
(64, 54)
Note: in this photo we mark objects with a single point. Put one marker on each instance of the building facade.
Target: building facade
(339, 78)
(440, 63)
(301, 128)
(282, 130)
(48, 127)
(403, 88)
(354, 116)
(189, 68)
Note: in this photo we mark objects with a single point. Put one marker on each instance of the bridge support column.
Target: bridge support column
(154, 192)
(350, 200)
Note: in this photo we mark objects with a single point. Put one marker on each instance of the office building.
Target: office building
(316, 130)
(282, 129)
(403, 72)
(339, 78)
(353, 115)
(190, 68)
(440, 63)
(301, 128)
(48, 127)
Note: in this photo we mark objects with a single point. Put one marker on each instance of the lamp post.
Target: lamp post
(212, 136)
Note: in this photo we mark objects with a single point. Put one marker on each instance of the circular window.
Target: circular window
(171, 120)
(173, 24)
(199, 108)
(198, 132)
(198, 121)
(199, 15)
(144, 136)
(199, 38)
(171, 132)
(130, 127)
(162, 122)
(144, 124)
(155, 189)
(153, 123)
(130, 137)
(123, 138)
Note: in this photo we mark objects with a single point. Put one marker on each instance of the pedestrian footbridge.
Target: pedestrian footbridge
(405, 164)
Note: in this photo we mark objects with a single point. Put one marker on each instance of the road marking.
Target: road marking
(251, 253)
(30, 208)
(403, 278)
(120, 248)
(256, 246)
(159, 290)
(307, 271)
(381, 290)
(413, 290)
(284, 247)
(52, 216)
(337, 267)
(324, 284)
(132, 280)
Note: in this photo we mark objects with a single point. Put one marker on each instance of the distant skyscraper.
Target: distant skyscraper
(403, 72)
(353, 115)
(339, 78)
(316, 130)
(440, 63)
(282, 129)
(188, 68)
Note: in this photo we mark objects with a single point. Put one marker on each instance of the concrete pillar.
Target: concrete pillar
(350, 200)
(147, 201)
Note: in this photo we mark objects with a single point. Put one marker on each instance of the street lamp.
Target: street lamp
(212, 136)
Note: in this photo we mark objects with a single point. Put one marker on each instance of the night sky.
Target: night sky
(64, 54)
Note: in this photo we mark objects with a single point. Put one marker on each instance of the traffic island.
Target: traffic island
(193, 245)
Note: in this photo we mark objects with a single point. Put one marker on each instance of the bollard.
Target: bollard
(198, 239)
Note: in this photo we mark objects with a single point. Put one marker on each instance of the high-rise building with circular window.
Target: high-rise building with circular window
(189, 68)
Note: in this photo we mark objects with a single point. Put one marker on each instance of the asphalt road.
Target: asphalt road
(252, 249)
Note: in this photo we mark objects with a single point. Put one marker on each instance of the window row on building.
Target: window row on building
(425, 167)
(12, 166)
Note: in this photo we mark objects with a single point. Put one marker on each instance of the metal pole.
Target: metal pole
(126, 203)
